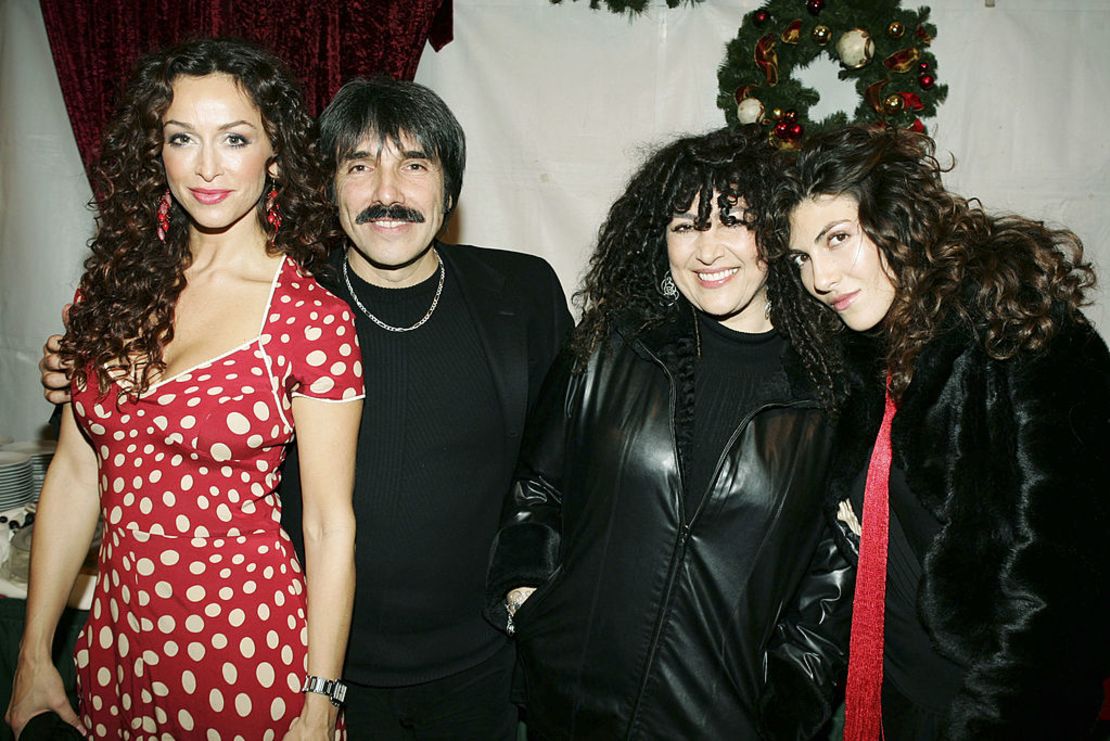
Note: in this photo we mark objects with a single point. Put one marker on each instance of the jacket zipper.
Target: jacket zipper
(684, 531)
(796, 404)
(680, 543)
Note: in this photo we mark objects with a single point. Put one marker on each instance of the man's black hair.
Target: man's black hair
(389, 110)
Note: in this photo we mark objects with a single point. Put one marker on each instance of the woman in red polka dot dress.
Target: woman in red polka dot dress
(200, 342)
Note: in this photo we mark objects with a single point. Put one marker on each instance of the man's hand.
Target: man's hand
(55, 372)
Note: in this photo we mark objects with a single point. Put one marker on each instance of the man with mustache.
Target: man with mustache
(455, 343)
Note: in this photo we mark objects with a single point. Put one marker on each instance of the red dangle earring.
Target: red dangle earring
(164, 215)
(273, 210)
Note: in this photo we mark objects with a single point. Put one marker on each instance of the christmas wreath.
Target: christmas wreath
(880, 45)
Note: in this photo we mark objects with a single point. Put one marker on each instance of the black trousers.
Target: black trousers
(472, 705)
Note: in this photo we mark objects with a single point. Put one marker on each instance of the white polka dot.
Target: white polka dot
(246, 647)
(322, 385)
(231, 674)
(236, 617)
(277, 708)
(265, 674)
(316, 358)
(195, 651)
(188, 421)
(216, 700)
(243, 704)
(219, 641)
(221, 452)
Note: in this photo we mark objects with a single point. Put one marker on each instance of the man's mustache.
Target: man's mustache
(393, 212)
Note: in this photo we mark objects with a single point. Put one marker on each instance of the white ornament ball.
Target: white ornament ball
(750, 110)
(855, 48)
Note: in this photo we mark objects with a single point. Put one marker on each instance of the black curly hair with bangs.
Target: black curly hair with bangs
(625, 270)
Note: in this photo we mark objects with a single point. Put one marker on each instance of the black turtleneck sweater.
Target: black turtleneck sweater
(425, 503)
(734, 377)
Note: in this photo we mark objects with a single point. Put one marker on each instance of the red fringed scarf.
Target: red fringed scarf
(863, 714)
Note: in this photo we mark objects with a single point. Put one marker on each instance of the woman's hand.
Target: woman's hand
(517, 597)
(316, 721)
(37, 688)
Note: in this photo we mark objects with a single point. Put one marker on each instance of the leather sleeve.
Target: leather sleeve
(808, 653)
(525, 551)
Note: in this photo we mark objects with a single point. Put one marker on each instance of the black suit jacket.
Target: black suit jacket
(520, 313)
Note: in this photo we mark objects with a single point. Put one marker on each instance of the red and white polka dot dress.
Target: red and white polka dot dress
(197, 628)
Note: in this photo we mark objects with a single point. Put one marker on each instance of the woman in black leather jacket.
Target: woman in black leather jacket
(992, 512)
(667, 509)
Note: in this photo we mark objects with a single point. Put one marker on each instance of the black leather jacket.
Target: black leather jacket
(727, 623)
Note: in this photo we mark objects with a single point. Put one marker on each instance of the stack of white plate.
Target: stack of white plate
(41, 452)
(17, 479)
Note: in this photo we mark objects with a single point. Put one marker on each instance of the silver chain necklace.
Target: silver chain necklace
(379, 322)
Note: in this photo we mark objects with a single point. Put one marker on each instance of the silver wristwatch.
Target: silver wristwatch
(333, 689)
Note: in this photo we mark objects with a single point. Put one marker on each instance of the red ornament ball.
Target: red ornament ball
(926, 82)
(795, 132)
(923, 66)
(790, 116)
(815, 6)
(761, 17)
(782, 129)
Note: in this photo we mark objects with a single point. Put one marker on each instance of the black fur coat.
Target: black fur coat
(1013, 457)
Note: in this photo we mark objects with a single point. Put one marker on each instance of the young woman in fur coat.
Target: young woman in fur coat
(988, 619)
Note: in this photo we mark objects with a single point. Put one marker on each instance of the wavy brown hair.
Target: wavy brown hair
(622, 281)
(123, 317)
(1006, 279)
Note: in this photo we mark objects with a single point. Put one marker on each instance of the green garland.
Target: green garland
(897, 83)
(632, 7)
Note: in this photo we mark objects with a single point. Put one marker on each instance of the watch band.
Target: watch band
(333, 689)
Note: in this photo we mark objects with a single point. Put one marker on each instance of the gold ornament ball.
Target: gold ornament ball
(776, 113)
(895, 29)
(821, 34)
(855, 48)
(893, 104)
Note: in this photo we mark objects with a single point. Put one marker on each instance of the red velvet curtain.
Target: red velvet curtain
(326, 42)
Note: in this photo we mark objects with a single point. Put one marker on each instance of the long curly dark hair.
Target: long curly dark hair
(1004, 278)
(123, 317)
(625, 270)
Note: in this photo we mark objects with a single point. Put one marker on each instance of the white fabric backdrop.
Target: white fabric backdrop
(559, 104)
